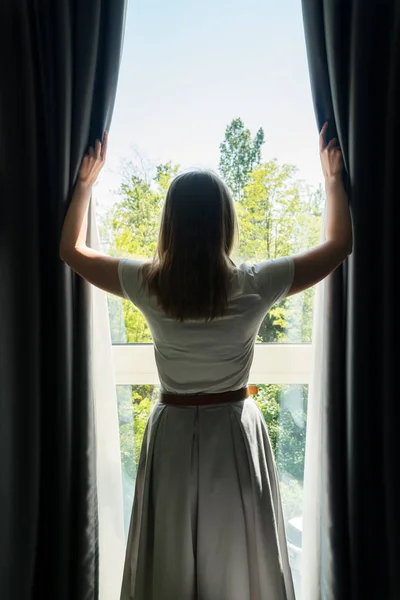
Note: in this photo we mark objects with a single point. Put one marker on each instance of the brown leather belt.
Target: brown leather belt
(204, 399)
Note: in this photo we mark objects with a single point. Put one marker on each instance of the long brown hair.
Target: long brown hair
(191, 272)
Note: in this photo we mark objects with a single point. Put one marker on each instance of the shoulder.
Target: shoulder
(267, 268)
(271, 279)
(129, 271)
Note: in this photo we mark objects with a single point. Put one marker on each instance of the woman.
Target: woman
(207, 519)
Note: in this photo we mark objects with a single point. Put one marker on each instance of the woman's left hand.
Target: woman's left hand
(93, 162)
(331, 156)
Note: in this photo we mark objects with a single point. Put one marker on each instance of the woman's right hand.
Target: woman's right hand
(93, 162)
(331, 156)
(314, 265)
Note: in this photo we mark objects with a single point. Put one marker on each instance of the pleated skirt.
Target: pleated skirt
(207, 520)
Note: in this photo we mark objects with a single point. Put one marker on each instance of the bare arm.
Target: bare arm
(97, 268)
(314, 265)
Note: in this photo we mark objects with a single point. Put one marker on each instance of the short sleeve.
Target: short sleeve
(273, 278)
(130, 278)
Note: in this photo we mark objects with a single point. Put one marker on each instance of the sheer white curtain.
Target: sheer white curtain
(109, 476)
(313, 493)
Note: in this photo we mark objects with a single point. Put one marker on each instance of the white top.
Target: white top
(196, 357)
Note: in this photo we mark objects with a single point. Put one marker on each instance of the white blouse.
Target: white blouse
(196, 357)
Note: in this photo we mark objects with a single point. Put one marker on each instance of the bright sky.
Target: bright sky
(189, 68)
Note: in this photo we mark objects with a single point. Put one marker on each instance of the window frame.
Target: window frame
(285, 364)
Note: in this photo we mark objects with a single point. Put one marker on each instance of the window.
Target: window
(224, 86)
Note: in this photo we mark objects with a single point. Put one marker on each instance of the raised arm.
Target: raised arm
(97, 268)
(314, 265)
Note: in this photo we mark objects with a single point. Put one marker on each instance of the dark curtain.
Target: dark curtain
(59, 64)
(353, 49)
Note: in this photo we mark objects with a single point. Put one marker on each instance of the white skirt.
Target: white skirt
(207, 520)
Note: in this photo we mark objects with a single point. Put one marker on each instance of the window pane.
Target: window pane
(285, 412)
(242, 109)
(134, 405)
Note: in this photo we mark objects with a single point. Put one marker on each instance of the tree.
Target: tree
(134, 405)
(134, 223)
(279, 216)
(307, 235)
(239, 154)
(285, 412)
(268, 211)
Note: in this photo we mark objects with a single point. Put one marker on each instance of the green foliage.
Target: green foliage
(135, 219)
(267, 212)
(285, 412)
(134, 222)
(134, 405)
(239, 154)
(279, 216)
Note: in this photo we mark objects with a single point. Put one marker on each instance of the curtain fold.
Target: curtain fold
(312, 487)
(351, 545)
(58, 75)
(112, 541)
